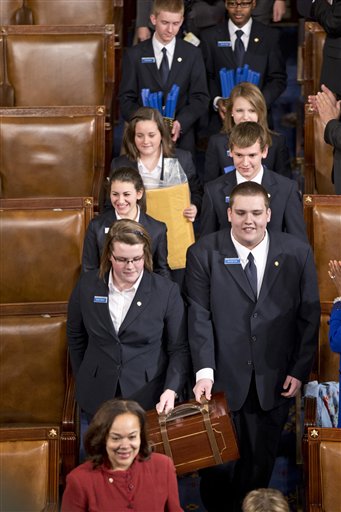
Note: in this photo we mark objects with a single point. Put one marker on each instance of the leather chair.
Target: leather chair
(318, 156)
(37, 385)
(29, 459)
(14, 12)
(71, 12)
(61, 66)
(324, 470)
(314, 38)
(41, 247)
(52, 152)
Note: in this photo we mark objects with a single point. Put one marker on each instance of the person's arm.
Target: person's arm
(176, 345)
(197, 94)
(212, 168)
(208, 219)
(293, 214)
(275, 80)
(200, 328)
(335, 317)
(129, 93)
(307, 320)
(76, 332)
(327, 106)
(278, 10)
(328, 16)
(160, 257)
(282, 158)
(91, 253)
(74, 497)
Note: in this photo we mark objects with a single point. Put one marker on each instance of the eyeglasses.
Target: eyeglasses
(125, 261)
(242, 5)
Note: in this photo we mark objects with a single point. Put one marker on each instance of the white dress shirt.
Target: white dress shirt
(151, 179)
(157, 47)
(120, 301)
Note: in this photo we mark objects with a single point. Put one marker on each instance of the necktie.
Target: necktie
(251, 273)
(164, 67)
(239, 48)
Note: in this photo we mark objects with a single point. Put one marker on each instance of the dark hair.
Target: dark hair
(129, 175)
(249, 188)
(174, 6)
(95, 438)
(265, 500)
(244, 135)
(146, 114)
(128, 232)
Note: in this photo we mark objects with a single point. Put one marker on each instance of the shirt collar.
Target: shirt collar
(113, 288)
(137, 218)
(157, 46)
(259, 252)
(158, 165)
(246, 28)
(257, 179)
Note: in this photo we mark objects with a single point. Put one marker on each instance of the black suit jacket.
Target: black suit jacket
(329, 17)
(187, 71)
(96, 234)
(234, 334)
(285, 204)
(217, 156)
(149, 353)
(263, 55)
(332, 135)
(186, 162)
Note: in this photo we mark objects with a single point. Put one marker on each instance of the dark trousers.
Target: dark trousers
(259, 434)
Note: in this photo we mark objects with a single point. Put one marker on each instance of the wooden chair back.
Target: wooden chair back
(52, 152)
(41, 249)
(29, 458)
(324, 469)
(314, 38)
(71, 12)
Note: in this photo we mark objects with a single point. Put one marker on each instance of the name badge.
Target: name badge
(227, 199)
(106, 230)
(100, 300)
(229, 168)
(224, 44)
(148, 60)
(231, 261)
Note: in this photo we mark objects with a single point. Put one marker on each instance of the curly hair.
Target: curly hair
(265, 500)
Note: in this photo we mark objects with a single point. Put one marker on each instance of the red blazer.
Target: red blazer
(149, 485)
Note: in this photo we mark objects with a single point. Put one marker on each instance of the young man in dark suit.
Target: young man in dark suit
(248, 148)
(258, 46)
(328, 14)
(253, 317)
(162, 61)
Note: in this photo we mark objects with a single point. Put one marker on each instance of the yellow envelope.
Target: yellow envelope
(167, 204)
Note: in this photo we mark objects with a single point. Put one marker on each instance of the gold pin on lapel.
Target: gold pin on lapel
(276, 263)
(256, 39)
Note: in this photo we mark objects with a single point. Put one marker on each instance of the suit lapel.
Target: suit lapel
(151, 67)
(178, 63)
(140, 302)
(102, 290)
(269, 184)
(273, 267)
(228, 257)
(229, 183)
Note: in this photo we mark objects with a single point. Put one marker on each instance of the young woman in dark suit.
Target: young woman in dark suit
(246, 103)
(127, 201)
(146, 144)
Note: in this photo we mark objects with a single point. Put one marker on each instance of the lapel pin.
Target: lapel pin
(179, 59)
(139, 303)
(276, 263)
(269, 195)
(256, 40)
(111, 480)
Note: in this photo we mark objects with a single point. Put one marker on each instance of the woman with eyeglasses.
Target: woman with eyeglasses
(246, 103)
(128, 201)
(126, 327)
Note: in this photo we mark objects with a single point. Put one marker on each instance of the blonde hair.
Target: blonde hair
(254, 96)
(265, 500)
(174, 6)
